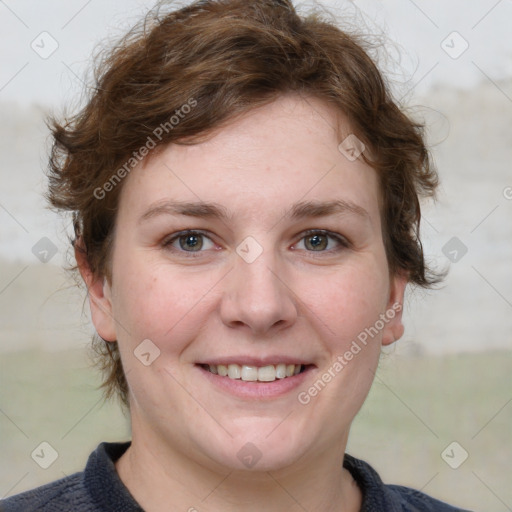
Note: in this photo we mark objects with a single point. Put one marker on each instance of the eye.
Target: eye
(322, 241)
(189, 241)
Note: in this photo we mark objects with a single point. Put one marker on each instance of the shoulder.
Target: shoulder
(65, 494)
(96, 489)
(390, 498)
(416, 501)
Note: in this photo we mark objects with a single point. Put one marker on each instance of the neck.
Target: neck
(163, 478)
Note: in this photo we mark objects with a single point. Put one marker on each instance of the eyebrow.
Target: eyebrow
(305, 209)
(190, 209)
(300, 210)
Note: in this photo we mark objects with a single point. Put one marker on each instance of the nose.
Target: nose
(257, 298)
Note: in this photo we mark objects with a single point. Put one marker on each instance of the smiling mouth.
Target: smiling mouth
(250, 373)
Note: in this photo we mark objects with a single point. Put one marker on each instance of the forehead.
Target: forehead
(282, 153)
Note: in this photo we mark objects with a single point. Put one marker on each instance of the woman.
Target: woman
(246, 204)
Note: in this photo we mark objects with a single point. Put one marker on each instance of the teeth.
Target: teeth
(267, 373)
(281, 371)
(234, 371)
(250, 373)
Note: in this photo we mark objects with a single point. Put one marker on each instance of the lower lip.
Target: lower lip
(256, 389)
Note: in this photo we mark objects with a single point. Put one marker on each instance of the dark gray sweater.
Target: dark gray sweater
(99, 489)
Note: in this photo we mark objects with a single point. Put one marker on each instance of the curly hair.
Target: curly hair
(180, 74)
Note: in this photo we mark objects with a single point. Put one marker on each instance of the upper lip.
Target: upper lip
(255, 361)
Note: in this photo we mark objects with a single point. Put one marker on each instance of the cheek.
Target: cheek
(152, 301)
(347, 303)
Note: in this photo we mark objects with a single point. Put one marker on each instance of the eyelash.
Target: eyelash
(342, 241)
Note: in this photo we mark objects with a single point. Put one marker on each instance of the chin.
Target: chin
(256, 453)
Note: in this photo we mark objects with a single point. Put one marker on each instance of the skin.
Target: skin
(292, 300)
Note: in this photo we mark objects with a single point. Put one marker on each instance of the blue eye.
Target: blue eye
(321, 241)
(314, 240)
(189, 241)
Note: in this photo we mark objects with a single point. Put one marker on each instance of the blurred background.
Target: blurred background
(439, 417)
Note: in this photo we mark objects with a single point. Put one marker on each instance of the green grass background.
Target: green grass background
(416, 408)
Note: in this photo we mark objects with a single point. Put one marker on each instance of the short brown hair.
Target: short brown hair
(223, 58)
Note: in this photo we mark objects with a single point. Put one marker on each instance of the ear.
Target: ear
(394, 328)
(100, 296)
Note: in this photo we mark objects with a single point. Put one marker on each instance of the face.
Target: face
(249, 253)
